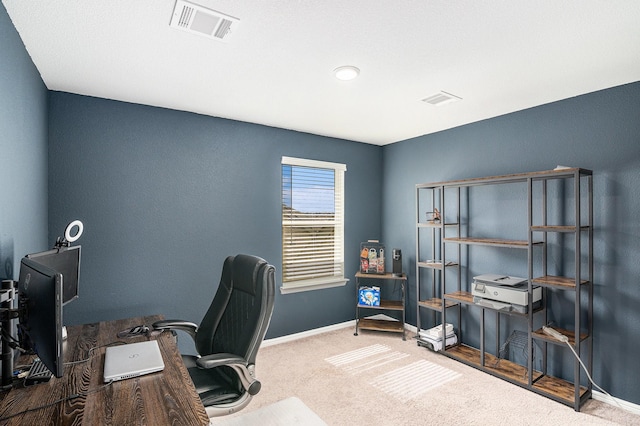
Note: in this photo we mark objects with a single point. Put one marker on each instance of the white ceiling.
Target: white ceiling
(276, 69)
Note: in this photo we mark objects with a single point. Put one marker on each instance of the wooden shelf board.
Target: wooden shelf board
(464, 353)
(557, 388)
(380, 325)
(394, 305)
(431, 224)
(554, 281)
(558, 228)
(435, 224)
(385, 276)
(435, 304)
(461, 296)
(517, 177)
(546, 385)
(523, 244)
(539, 334)
(435, 265)
(498, 367)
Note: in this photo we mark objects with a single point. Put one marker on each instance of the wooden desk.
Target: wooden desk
(162, 398)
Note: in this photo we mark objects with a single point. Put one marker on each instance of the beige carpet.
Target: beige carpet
(375, 378)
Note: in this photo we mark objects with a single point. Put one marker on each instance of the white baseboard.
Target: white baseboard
(308, 333)
(616, 402)
(316, 331)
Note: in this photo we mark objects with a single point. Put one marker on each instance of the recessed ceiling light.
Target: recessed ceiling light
(347, 72)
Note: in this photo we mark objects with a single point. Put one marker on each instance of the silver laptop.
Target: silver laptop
(132, 360)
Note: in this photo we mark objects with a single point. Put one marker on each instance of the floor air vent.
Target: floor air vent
(202, 21)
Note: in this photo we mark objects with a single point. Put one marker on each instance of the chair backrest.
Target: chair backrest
(238, 317)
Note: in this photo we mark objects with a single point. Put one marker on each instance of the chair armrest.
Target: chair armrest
(245, 371)
(173, 324)
(217, 360)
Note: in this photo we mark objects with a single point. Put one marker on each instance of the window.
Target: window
(312, 224)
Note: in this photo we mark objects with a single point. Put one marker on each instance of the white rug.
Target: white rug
(290, 411)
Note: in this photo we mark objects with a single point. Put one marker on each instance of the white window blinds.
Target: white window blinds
(312, 223)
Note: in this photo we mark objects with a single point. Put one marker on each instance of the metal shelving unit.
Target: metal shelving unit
(398, 306)
(562, 228)
(431, 269)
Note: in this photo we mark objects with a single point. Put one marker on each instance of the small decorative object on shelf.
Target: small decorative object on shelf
(434, 216)
(369, 296)
(397, 262)
(372, 257)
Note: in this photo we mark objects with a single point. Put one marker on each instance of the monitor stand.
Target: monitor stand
(7, 314)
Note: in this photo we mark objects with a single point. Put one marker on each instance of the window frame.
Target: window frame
(294, 286)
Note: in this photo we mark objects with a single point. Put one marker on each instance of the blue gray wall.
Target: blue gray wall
(598, 131)
(23, 152)
(165, 196)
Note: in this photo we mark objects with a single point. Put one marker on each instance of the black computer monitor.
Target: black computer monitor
(65, 260)
(40, 313)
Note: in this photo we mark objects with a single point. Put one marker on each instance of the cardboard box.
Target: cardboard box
(372, 257)
(369, 296)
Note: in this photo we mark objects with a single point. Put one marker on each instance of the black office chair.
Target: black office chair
(230, 335)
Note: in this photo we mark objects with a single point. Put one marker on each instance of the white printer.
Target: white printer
(511, 292)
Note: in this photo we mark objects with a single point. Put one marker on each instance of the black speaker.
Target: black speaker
(397, 262)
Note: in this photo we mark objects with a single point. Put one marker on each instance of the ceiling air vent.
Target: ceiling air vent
(196, 19)
(441, 98)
